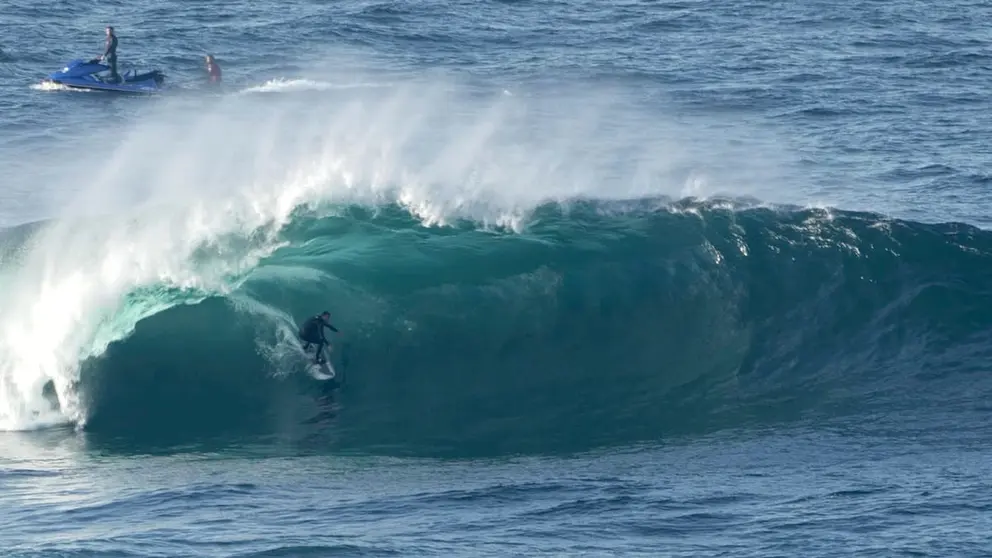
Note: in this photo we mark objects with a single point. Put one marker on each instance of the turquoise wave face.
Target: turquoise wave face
(597, 324)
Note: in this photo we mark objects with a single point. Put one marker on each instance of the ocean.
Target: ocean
(611, 279)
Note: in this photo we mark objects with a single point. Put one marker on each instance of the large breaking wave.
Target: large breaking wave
(598, 323)
(519, 282)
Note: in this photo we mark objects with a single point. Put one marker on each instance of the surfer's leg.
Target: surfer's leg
(113, 68)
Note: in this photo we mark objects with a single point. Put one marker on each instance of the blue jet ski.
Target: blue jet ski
(80, 74)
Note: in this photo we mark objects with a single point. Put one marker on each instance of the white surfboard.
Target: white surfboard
(322, 371)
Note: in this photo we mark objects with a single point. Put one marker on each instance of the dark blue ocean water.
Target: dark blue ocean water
(639, 278)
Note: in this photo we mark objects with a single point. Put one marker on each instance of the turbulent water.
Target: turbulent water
(627, 279)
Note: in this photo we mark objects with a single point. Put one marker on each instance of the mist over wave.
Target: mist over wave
(512, 272)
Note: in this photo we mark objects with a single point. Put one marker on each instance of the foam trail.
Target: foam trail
(196, 194)
(284, 85)
(50, 86)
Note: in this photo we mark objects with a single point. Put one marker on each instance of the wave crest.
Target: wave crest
(602, 323)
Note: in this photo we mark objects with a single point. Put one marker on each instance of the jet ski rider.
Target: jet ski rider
(110, 54)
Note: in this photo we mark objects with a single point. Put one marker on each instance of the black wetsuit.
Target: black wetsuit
(110, 55)
(312, 331)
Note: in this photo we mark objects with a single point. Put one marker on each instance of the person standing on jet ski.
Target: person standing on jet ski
(312, 331)
(110, 54)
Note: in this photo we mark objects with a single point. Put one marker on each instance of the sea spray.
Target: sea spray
(200, 190)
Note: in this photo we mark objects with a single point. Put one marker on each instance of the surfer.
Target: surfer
(312, 331)
(110, 54)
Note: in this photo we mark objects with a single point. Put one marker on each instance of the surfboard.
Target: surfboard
(322, 371)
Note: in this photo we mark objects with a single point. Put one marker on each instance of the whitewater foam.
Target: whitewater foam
(85, 287)
(86, 282)
(288, 85)
(51, 86)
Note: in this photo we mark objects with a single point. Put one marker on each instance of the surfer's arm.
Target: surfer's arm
(111, 45)
(324, 337)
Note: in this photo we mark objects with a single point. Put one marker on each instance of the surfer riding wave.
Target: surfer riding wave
(312, 332)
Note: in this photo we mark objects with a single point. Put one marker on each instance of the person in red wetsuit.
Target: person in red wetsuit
(213, 69)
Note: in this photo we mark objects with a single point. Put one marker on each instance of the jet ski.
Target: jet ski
(80, 74)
